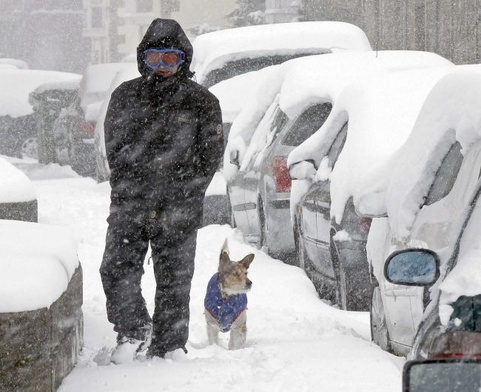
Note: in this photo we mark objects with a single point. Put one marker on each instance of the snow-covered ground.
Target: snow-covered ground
(295, 341)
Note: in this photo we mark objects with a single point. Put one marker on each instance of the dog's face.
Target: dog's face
(233, 274)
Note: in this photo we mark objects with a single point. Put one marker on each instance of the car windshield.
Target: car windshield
(244, 65)
(446, 175)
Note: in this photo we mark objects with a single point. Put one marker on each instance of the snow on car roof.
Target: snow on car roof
(303, 89)
(452, 105)
(305, 81)
(15, 186)
(72, 84)
(213, 50)
(18, 84)
(381, 111)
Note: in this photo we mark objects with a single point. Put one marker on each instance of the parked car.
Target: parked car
(423, 203)
(221, 55)
(331, 236)
(48, 100)
(18, 200)
(75, 127)
(19, 123)
(296, 100)
(233, 95)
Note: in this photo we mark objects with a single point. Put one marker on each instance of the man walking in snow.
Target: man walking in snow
(163, 136)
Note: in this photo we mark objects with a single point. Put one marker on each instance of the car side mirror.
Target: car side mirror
(234, 157)
(442, 375)
(302, 170)
(412, 267)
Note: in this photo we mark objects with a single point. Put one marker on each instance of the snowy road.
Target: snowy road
(295, 341)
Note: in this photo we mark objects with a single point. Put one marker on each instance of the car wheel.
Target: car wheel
(379, 332)
(30, 148)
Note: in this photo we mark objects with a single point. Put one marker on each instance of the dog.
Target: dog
(226, 300)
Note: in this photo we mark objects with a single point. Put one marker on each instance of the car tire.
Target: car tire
(379, 331)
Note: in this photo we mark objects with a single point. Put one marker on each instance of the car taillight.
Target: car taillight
(365, 224)
(88, 128)
(281, 174)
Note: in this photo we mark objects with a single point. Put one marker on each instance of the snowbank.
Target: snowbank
(37, 262)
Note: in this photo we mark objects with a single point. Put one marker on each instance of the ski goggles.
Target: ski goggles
(167, 58)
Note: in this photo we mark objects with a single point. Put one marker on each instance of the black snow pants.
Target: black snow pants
(173, 251)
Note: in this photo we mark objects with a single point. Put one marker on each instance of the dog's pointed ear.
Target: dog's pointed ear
(246, 261)
(225, 247)
(224, 257)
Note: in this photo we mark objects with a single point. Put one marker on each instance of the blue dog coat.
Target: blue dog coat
(224, 310)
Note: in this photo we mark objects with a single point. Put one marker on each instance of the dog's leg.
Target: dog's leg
(238, 332)
(212, 329)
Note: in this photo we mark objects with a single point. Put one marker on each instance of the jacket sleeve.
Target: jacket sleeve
(111, 129)
(209, 145)
(210, 142)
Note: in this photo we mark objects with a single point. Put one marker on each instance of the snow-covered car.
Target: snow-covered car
(370, 117)
(48, 100)
(420, 198)
(220, 55)
(75, 127)
(19, 123)
(18, 200)
(225, 54)
(232, 94)
(375, 99)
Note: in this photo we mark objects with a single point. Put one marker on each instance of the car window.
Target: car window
(337, 146)
(244, 65)
(280, 119)
(446, 175)
(307, 123)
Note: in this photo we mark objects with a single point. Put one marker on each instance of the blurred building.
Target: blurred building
(116, 28)
(449, 28)
(47, 34)
(281, 11)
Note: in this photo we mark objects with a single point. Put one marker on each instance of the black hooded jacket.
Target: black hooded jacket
(163, 136)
